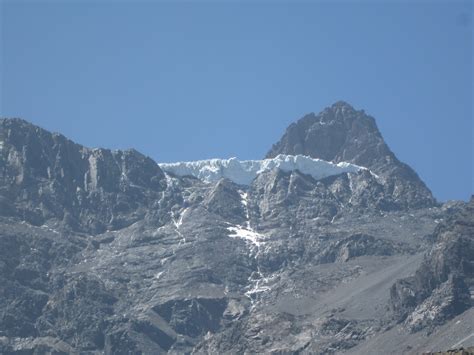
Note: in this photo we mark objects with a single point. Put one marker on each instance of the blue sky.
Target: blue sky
(187, 81)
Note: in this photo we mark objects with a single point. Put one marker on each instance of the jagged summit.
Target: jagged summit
(342, 103)
(342, 133)
(342, 106)
(329, 134)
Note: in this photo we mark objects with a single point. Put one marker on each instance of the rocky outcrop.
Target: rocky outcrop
(226, 201)
(193, 317)
(359, 245)
(293, 198)
(77, 312)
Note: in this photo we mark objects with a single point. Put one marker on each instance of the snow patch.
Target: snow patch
(244, 171)
(247, 234)
(243, 198)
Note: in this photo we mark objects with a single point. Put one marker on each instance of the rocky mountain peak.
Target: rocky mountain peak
(340, 133)
(342, 104)
(340, 110)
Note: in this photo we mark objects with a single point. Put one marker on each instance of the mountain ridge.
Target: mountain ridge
(402, 181)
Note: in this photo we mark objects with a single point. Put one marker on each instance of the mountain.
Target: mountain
(319, 249)
(341, 133)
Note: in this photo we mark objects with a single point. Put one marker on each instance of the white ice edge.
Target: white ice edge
(243, 172)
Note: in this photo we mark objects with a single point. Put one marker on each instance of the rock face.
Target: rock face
(440, 288)
(45, 176)
(103, 252)
(341, 133)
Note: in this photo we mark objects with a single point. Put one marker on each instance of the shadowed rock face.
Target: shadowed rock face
(341, 133)
(101, 252)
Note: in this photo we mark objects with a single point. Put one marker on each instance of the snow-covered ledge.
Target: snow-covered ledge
(244, 171)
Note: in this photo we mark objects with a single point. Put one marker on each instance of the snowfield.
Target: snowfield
(244, 171)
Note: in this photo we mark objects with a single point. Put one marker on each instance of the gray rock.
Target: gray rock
(341, 133)
(440, 288)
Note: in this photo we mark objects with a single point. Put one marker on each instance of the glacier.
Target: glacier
(243, 172)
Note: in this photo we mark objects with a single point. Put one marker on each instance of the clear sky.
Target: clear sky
(188, 81)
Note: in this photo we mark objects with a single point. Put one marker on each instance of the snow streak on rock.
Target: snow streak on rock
(258, 283)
